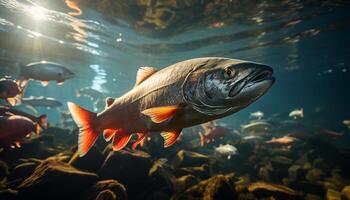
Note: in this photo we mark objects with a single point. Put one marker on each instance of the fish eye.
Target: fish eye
(228, 73)
(60, 74)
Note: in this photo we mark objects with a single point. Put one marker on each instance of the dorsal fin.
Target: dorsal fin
(143, 73)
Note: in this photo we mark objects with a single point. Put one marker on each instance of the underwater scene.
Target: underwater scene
(174, 99)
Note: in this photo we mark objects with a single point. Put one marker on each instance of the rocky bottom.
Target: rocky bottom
(48, 167)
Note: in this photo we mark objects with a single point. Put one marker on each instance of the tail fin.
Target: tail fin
(202, 138)
(87, 134)
(38, 130)
(302, 112)
(42, 121)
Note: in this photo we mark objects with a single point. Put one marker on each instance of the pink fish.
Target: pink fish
(14, 127)
(212, 133)
(282, 141)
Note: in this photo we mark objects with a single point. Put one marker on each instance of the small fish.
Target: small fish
(332, 134)
(45, 71)
(13, 128)
(301, 135)
(347, 123)
(257, 114)
(252, 138)
(256, 127)
(41, 120)
(47, 102)
(212, 134)
(226, 150)
(282, 141)
(89, 92)
(11, 91)
(182, 95)
(297, 113)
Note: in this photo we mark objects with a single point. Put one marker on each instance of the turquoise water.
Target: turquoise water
(104, 43)
(306, 43)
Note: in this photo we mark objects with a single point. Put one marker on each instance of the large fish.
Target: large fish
(46, 71)
(182, 95)
(14, 127)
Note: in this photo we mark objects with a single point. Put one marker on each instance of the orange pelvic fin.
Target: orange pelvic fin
(108, 134)
(12, 101)
(18, 144)
(120, 139)
(161, 114)
(140, 139)
(44, 83)
(170, 137)
(87, 133)
(143, 73)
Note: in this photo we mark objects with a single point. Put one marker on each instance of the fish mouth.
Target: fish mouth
(256, 78)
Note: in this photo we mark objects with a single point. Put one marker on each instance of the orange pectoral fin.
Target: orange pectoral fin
(108, 134)
(140, 139)
(170, 137)
(44, 83)
(11, 101)
(18, 144)
(120, 139)
(161, 114)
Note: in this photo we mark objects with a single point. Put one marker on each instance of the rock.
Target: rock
(312, 197)
(264, 174)
(320, 163)
(281, 160)
(203, 172)
(265, 190)
(245, 149)
(23, 170)
(8, 194)
(106, 195)
(296, 172)
(4, 170)
(309, 187)
(218, 187)
(58, 180)
(333, 195)
(91, 162)
(111, 185)
(131, 168)
(314, 175)
(158, 195)
(302, 160)
(345, 193)
(184, 182)
(185, 158)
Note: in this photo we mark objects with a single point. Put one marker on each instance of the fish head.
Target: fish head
(64, 74)
(8, 88)
(227, 85)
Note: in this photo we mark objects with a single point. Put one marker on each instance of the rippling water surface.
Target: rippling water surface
(104, 43)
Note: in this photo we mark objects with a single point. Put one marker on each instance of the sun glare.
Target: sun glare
(36, 12)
